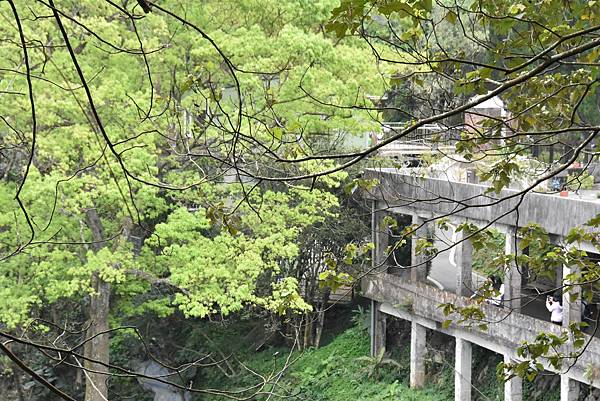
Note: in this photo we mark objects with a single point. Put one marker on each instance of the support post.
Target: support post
(418, 271)
(380, 237)
(557, 239)
(512, 279)
(513, 388)
(569, 389)
(378, 329)
(463, 257)
(462, 370)
(417, 355)
(462, 356)
(571, 308)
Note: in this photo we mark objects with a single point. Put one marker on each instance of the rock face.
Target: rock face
(162, 391)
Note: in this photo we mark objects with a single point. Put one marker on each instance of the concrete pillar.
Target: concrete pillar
(558, 282)
(571, 309)
(378, 329)
(419, 269)
(463, 257)
(513, 388)
(557, 239)
(569, 389)
(380, 236)
(417, 355)
(512, 278)
(462, 370)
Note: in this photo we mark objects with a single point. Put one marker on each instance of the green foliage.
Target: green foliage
(374, 364)
(583, 180)
(468, 316)
(488, 252)
(216, 258)
(339, 371)
(226, 248)
(501, 174)
(333, 279)
(361, 319)
(360, 183)
(220, 270)
(425, 247)
(347, 18)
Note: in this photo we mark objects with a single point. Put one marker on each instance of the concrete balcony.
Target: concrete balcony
(430, 138)
(419, 303)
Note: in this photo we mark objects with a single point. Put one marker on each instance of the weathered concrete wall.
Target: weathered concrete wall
(556, 214)
(419, 303)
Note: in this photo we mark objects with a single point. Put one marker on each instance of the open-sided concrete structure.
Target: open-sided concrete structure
(408, 296)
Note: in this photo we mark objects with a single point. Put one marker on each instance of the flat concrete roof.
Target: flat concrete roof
(557, 214)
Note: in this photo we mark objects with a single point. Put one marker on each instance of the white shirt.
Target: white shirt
(556, 311)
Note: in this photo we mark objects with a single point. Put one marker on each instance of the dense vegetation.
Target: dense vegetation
(160, 221)
(165, 165)
(341, 369)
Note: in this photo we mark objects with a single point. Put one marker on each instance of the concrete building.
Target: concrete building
(406, 294)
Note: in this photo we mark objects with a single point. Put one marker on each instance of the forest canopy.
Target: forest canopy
(198, 160)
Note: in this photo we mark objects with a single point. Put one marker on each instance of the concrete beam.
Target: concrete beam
(462, 370)
(417, 355)
(420, 303)
(475, 202)
(464, 263)
(509, 351)
(419, 263)
(569, 389)
(513, 388)
(378, 329)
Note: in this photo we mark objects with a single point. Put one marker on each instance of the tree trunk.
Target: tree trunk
(308, 328)
(17, 380)
(321, 317)
(296, 328)
(96, 347)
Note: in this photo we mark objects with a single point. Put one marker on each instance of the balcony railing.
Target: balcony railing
(506, 329)
(425, 139)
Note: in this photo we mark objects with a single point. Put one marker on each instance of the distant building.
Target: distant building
(492, 108)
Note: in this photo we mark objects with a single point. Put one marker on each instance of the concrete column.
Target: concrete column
(571, 309)
(558, 282)
(557, 239)
(417, 355)
(569, 389)
(380, 236)
(378, 329)
(513, 388)
(512, 278)
(418, 271)
(464, 263)
(462, 370)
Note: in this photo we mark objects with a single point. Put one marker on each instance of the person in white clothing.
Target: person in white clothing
(555, 309)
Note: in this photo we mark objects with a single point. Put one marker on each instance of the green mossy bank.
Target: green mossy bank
(339, 371)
